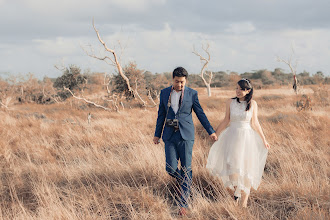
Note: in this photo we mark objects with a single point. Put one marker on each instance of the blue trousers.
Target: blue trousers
(178, 149)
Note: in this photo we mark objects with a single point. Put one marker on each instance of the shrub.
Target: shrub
(71, 79)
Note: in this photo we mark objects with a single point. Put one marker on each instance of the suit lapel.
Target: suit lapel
(185, 94)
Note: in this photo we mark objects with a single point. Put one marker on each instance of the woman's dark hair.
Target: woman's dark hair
(245, 84)
(180, 72)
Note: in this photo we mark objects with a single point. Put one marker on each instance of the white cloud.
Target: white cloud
(57, 47)
(241, 28)
(73, 6)
(160, 34)
(50, 6)
(139, 5)
(164, 49)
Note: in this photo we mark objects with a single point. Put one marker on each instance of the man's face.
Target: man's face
(179, 83)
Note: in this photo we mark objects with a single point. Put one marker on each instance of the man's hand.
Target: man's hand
(213, 137)
(156, 140)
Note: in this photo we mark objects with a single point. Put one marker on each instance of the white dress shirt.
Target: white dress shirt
(175, 98)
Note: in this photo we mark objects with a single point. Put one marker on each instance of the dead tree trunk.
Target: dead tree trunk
(293, 68)
(114, 61)
(204, 67)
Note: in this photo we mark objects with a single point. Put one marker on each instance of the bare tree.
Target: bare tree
(114, 61)
(111, 60)
(304, 102)
(205, 62)
(293, 67)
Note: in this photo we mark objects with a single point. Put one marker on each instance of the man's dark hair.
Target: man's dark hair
(180, 72)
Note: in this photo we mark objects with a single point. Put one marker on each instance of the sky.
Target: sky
(159, 35)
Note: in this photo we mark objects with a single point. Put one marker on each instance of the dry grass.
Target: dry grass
(54, 165)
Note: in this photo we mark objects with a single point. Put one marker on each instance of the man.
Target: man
(175, 123)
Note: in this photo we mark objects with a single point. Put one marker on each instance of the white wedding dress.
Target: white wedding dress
(239, 155)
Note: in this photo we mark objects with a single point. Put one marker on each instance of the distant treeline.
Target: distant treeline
(261, 78)
(156, 81)
(144, 83)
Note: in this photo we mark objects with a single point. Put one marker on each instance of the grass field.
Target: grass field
(54, 165)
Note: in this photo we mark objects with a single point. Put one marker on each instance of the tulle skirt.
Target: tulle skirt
(238, 157)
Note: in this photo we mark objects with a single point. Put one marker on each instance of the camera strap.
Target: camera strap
(169, 105)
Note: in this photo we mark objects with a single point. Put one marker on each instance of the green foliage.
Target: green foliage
(319, 74)
(136, 80)
(71, 79)
(220, 79)
(150, 82)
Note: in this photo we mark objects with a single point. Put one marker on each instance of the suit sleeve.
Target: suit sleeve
(201, 115)
(161, 117)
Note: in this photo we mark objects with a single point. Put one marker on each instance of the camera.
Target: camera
(172, 123)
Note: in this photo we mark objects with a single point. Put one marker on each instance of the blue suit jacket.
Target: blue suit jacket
(184, 115)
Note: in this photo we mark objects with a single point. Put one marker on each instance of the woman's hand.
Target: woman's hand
(214, 137)
(266, 145)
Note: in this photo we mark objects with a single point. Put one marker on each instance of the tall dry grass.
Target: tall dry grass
(54, 165)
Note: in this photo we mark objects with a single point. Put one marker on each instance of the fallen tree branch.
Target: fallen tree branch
(8, 99)
(87, 101)
(3, 105)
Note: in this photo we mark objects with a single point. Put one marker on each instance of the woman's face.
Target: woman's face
(241, 93)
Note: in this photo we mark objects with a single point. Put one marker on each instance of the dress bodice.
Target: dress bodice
(238, 113)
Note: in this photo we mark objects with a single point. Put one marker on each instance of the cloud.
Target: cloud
(57, 47)
(60, 7)
(160, 34)
(71, 7)
(240, 28)
(137, 5)
(162, 50)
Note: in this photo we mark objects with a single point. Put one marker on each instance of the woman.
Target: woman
(239, 155)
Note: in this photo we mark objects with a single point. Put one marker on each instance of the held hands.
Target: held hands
(213, 137)
(156, 140)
